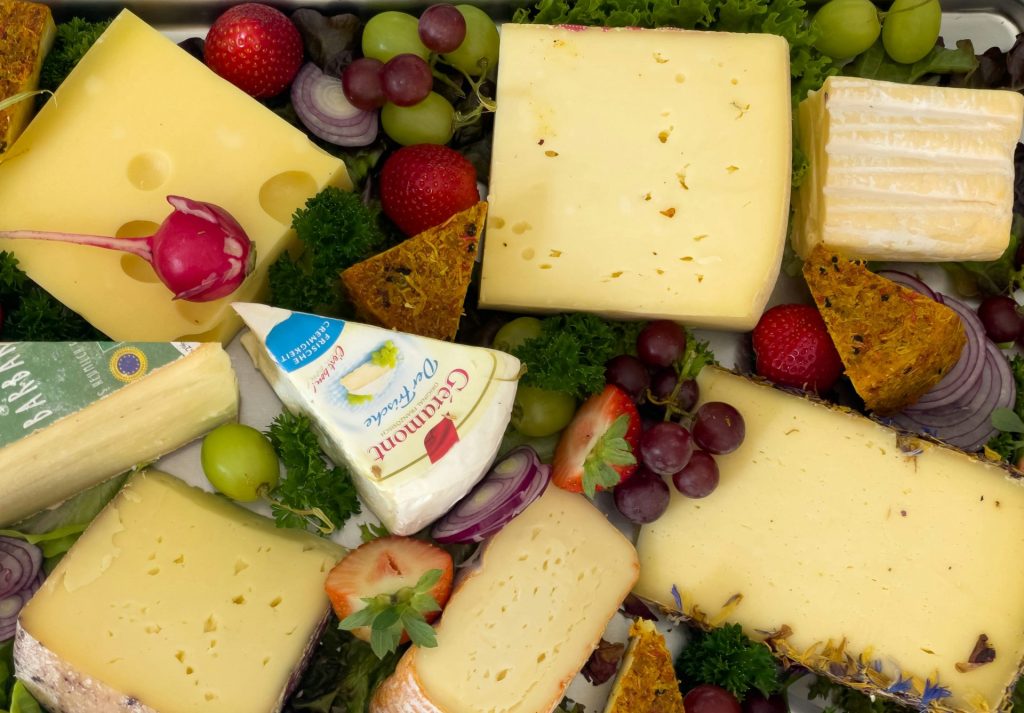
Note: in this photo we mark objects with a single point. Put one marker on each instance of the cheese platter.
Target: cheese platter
(799, 587)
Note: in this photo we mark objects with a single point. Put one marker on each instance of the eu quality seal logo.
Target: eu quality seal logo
(128, 364)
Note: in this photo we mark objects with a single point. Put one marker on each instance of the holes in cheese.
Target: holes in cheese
(285, 193)
(149, 170)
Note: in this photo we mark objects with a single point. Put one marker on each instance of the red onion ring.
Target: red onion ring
(20, 564)
(909, 281)
(321, 105)
(963, 377)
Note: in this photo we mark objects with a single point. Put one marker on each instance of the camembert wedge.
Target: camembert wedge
(517, 630)
(887, 563)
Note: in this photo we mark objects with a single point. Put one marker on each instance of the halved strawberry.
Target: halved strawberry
(596, 450)
(391, 588)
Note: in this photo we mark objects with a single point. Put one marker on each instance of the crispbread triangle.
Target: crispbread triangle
(646, 682)
(419, 286)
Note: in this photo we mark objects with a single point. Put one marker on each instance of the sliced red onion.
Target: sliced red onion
(962, 379)
(512, 484)
(322, 107)
(10, 608)
(20, 564)
(911, 282)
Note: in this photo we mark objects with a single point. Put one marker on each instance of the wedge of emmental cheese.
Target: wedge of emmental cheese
(417, 421)
(907, 173)
(887, 563)
(518, 629)
(175, 600)
(73, 414)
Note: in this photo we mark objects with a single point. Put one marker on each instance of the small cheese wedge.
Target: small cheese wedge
(73, 414)
(639, 173)
(417, 421)
(907, 173)
(139, 119)
(517, 630)
(875, 559)
(26, 36)
(175, 600)
(646, 681)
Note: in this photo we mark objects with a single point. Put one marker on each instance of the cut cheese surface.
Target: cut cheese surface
(175, 600)
(73, 414)
(518, 629)
(417, 421)
(609, 193)
(158, 122)
(903, 172)
(877, 560)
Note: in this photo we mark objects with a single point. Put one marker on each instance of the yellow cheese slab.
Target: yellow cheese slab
(866, 555)
(639, 173)
(178, 600)
(138, 119)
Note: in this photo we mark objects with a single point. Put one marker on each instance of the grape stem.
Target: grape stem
(314, 516)
(484, 103)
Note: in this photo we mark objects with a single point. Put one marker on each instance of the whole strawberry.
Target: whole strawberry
(424, 185)
(792, 347)
(256, 48)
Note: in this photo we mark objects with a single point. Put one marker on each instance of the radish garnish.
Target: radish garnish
(199, 252)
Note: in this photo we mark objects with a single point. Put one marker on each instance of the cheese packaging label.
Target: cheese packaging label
(42, 382)
(397, 401)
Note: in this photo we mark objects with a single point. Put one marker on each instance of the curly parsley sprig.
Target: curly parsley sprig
(726, 657)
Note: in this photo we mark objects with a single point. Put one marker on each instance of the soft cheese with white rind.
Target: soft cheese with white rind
(418, 435)
(907, 173)
(857, 548)
(175, 600)
(139, 119)
(73, 414)
(518, 629)
(639, 173)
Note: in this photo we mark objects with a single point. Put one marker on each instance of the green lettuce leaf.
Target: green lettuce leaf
(875, 64)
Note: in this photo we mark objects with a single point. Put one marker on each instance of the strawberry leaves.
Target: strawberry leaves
(612, 449)
(389, 616)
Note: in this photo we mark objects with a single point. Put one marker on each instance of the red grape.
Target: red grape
(661, 343)
(1000, 318)
(699, 477)
(663, 383)
(707, 698)
(666, 447)
(442, 28)
(362, 84)
(756, 703)
(643, 498)
(718, 428)
(629, 374)
(407, 79)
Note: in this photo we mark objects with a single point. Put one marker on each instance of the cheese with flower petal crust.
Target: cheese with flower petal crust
(136, 120)
(175, 600)
(639, 173)
(877, 560)
(518, 629)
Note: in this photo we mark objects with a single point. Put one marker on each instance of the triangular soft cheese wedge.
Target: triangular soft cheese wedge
(646, 682)
(420, 285)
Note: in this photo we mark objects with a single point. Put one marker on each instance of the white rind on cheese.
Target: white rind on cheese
(639, 173)
(907, 173)
(162, 411)
(175, 600)
(830, 526)
(518, 629)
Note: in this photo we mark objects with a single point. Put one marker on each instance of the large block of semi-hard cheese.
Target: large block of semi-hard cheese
(888, 563)
(904, 172)
(517, 630)
(175, 601)
(418, 421)
(73, 414)
(639, 173)
(138, 119)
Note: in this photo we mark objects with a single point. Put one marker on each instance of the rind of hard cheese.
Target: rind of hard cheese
(861, 554)
(158, 123)
(549, 580)
(610, 194)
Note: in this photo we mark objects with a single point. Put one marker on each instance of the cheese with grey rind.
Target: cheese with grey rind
(877, 559)
(518, 629)
(175, 600)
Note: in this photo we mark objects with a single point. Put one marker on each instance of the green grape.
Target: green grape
(432, 121)
(513, 334)
(911, 28)
(538, 412)
(481, 43)
(845, 28)
(238, 460)
(392, 33)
